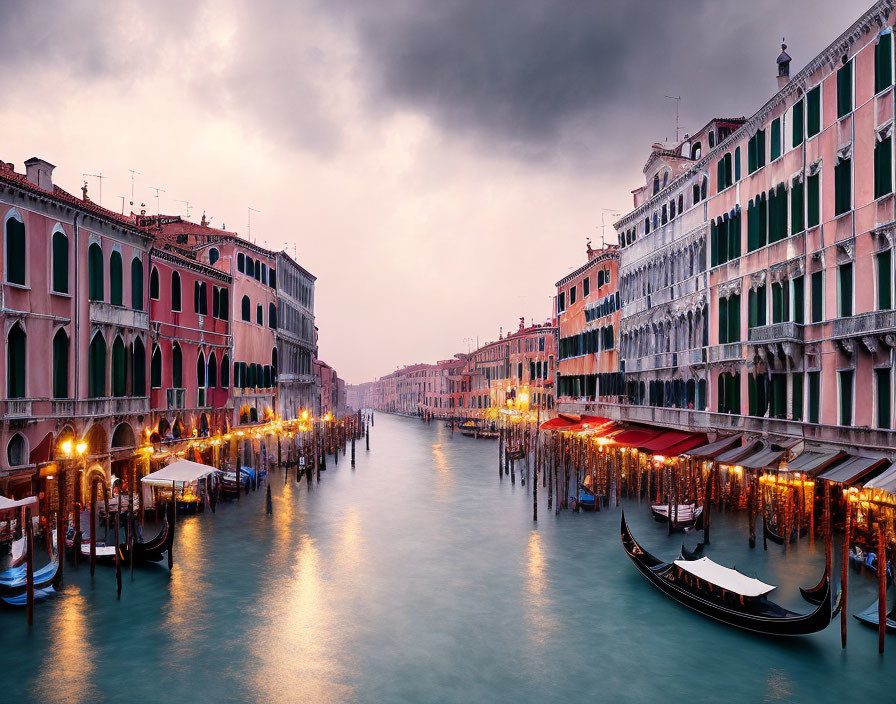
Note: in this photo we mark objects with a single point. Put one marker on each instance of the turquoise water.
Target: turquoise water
(420, 577)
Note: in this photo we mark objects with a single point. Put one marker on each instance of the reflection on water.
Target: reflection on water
(444, 475)
(778, 686)
(538, 603)
(185, 616)
(66, 670)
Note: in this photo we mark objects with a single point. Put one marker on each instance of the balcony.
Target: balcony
(698, 356)
(880, 321)
(730, 352)
(176, 398)
(93, 407)
(20, 408)
(777, 332)
(104, 313)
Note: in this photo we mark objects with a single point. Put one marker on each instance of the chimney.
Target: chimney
(40, 173)
(783, 66)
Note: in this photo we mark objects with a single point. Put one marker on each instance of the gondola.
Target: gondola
(686, 516)
(694, 554)
(773, 535)
(730, 597)
(871, 617)
(586, 499)
(44, 577)
(152, 550)
(21, 600)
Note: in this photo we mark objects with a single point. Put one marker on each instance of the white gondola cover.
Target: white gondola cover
(724, 577)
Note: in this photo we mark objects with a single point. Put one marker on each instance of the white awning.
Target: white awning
(724, 577)
(8, 506)
(180, 472)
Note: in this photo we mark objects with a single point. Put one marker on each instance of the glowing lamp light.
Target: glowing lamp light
(147, 450)
(659, 459)
(328, 417)
(67, 447)
(304, 415)
(81, 448)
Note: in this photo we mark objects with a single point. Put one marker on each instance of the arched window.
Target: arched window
(274, 365)
(17, 451)
(665, 179)
(250, 376)
(138, 371)
(154, 284)
(213, 256)
(136, 284)
(119, 368)
(200, 377)
(264, 273)
(266, 376)
(223, 305)
(272, 315)
(656, 184)
(60, 364)
(15, 249)
(225, 372)
(703, 185)
(177, 366)
(259, 314)
(712, 139)
(241, 263)
(96, 367)
(212, 371)
(115, 278)
(250, 266)
(258, 270)
(200, 298)
(697, 151)
(95, 272)
(175, 291)
(155, 370)
(247, 309)
(16, 344)
(60, 262)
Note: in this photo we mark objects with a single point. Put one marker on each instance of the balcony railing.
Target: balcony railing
(105, 313)
(729, 352)
(176, 398)
(777, 332)
(865, 323)
(20, 408)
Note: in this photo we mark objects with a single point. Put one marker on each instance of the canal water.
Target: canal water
(419, 576)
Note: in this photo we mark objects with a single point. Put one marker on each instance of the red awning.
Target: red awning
(635, 438)
(560, 423)
(697, 440)
(668, 439)
(568, 423)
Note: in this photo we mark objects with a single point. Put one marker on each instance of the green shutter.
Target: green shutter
(734, 319)
(751, 394)
(813, 111)
(763, 221)
(844, 90)
(752, 311)
(115, 279)
(779, 395)
(97, 367)
(796, 208)
(119, 369)
(813, 201)
(846, 397)
(95, 272)
(136, 284)
(752, 227)
(713, 246)
(797, 401)
(883, 167)
(16, 360)
(884, 281)
(882, 377)
(761, 306)
(883, 66)
(138, 373)
(777, 303)
(760, 149)
(737, 164)
(155, 369)
(842, 186)
(845, 275)
(15, 251)
(817, 296)
(775, 150)
(798, 123)
(60, 365)
(60, 262)
(723, 321)
(799, 301)
(814, 396)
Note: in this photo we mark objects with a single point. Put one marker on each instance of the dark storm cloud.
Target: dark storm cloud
(537, 77)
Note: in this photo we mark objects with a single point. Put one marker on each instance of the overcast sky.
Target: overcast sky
(438, 164)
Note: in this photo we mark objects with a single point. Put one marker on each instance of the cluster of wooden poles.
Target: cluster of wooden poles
(786, 503)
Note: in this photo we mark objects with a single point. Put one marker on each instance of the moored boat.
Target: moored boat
(871, 617)
(725, 594)
(683, 516)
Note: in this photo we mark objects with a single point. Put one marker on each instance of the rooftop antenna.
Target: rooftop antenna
(158, 201)
(249, 224)
(100, 177)
(677, 99)
(186, 206)
(603, 225)
(122, 204)
(133, 173)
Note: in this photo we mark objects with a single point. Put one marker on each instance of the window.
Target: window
(561, 302)
(15, 249)
(572, 295)
(154, 284)
(656, 184)
(138, 368)
(777, 214)
(844, 284)
(813, 111)
(250, 266)
(16, 351)
(212, 371)
(723, 173)
(846, 378)
(798, 127)
(272, 315)
(247, 309)
(201, 370)
(737, 164)
(258, 270)
(799, 299)
(884, 280)
(797, 216)
(757, 223)
(241, 263)
(200, 297)
(115, 278)
(817, 296)
(96, 367)
(60, 262)
(844, 90)
(883, 66)
(155, 370)
(259, 314)
(883, 394)
(696, 151)
(813, 202)
(17, 451)
(729, 320)
(586, 286)
(756, 151)
(775, 147)
(136, 284)
(272, 277)
(213, 256)
(224, 305)
(95, 272)
(729, 393)
(225, 372)
(883, 167)
(177, 367)
(60, 364)
(175, 291)
(842, 186)
(264, 273)
(814, 396)
(780, 302)
(756, 307)
(797, 396)
(119, 369)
